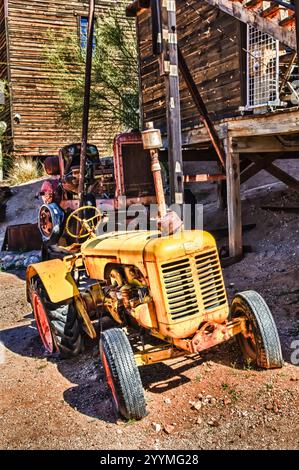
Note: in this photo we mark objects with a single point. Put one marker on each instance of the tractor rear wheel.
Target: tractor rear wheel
(58, 324)
(261, 344)
(122, 374)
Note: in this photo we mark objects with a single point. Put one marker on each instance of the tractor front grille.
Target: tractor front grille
(180, 289)
(210, 280)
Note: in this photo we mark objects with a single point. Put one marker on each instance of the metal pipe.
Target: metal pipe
(86, 104)
(158, 182)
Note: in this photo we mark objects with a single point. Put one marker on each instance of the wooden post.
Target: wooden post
(169, 68)
(233, 199)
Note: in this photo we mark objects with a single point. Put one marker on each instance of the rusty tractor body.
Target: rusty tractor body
(110, 183)
(168, 291)
(149, 295)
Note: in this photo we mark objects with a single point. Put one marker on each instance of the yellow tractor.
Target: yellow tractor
(149, 297)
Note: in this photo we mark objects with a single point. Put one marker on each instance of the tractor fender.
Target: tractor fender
(57, 280)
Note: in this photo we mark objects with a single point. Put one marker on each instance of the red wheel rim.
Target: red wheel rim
(42, 322)
(109, 378)
(46, 222)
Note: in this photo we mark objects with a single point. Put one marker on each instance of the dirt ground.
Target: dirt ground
(48, 403)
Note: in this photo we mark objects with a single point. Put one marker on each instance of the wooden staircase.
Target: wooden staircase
(271, 17)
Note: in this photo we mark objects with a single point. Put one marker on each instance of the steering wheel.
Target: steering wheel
(86, 226)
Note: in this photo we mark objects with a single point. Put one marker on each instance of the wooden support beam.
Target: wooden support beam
(201, 178)
(267, 144)
(256, 167)
(169, 68)
(238, 11)
(260, 163)
(201, 107)
(233, 199)
(283, 176)
(265, 163)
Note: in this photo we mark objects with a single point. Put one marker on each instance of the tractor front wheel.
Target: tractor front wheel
(261, 342)
(57, 324)
(122, 374)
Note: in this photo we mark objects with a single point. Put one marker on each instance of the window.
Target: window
(262, 69)
(83, 33)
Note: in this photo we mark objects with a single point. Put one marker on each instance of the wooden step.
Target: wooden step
(275, 12)
(275, 20)
(256, 5)
(289, 22)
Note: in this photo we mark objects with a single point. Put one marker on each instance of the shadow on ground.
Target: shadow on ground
(89, 393)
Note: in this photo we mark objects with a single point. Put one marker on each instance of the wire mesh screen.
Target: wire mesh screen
(262, 69)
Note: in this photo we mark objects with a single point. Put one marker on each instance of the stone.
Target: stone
(226, 401)
(213, 422)
(168, 428)
(157, 427)
(197, 405)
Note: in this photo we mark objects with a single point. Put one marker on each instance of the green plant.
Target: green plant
(130, 422)
(24, 169)
(248, 365)
(234, 395)
(269, 386)
(198, 378)
(114, 99)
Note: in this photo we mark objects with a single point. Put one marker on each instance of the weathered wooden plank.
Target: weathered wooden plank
(233, 199)
(238, 11)
(280, 174)
(40, 132)
(213, 58)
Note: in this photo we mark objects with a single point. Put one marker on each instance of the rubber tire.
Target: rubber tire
(64, 323)
(125, 373)
(268, 353)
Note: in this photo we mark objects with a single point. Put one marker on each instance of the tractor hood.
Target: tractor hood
(138, 247)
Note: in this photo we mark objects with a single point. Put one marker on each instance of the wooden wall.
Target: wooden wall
(33, 97)
(4, 73)
(213, 58)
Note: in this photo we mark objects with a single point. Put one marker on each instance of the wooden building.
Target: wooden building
(32, 110)
(237, 87)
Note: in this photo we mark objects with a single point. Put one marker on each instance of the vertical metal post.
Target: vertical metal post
(86, 104)
(173, 109)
